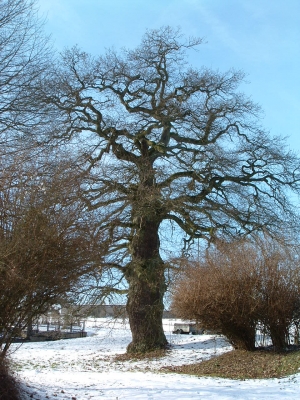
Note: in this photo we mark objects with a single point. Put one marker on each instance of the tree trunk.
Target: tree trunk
(279, 336)
(241, 338)
(145, 310)
(145, 276)
(29, 328)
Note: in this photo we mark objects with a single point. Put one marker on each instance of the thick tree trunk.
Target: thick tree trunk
(147, 287)
(242, 341)
(240, 337)
(145, 308)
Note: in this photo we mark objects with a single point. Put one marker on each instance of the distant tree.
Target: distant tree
(167, 142)
(242, 286)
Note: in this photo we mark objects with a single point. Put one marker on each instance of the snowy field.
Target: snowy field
(84, 369)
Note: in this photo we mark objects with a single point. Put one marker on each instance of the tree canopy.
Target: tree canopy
(25, 56)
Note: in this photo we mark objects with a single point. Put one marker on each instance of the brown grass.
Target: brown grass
(156, 354)
(241, 364)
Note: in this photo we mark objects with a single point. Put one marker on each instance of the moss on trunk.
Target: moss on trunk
(145, 306)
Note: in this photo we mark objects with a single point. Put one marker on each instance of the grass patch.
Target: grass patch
(151, 355)
(238, 364)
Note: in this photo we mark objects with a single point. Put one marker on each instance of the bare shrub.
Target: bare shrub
(240, 285)
(279, 289)
(47, 243)
(220, 292)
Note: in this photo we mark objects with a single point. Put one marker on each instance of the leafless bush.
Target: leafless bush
(238, 285)
(47, 243)
(279, 289)
(220, 293)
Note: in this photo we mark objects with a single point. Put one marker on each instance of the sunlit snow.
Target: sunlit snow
(85, 369)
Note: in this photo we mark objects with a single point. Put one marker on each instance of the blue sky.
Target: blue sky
(261, 37)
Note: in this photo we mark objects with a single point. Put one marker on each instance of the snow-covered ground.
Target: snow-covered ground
(85, 369)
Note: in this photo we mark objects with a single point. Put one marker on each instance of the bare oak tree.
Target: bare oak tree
(167, 142)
